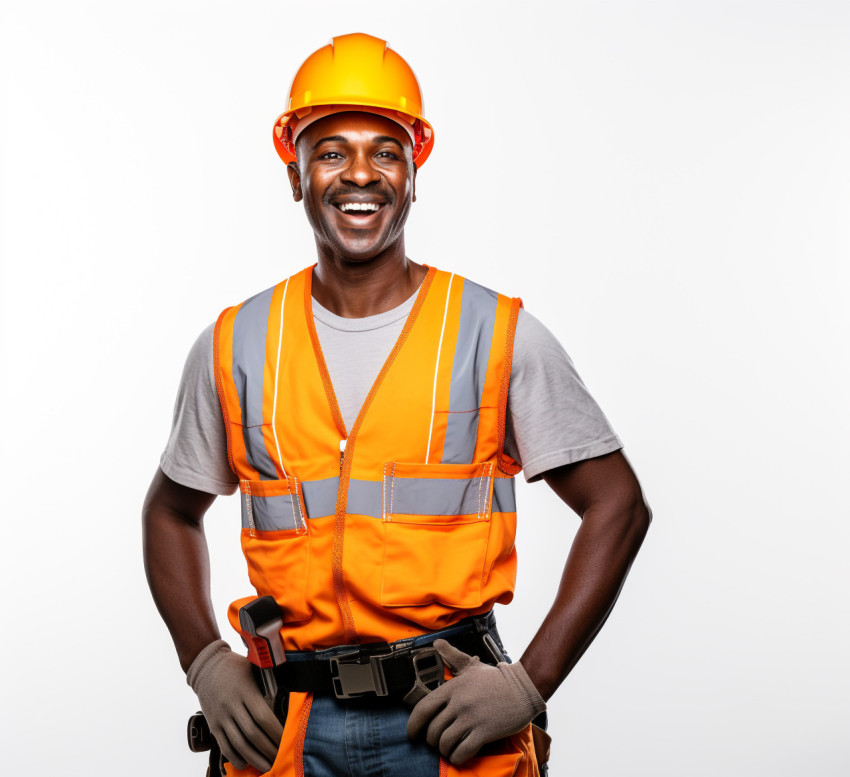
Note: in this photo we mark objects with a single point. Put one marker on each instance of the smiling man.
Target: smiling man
(373, 413)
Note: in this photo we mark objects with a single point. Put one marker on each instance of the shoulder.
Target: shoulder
(472, 286)
(535, 342)
(203, 344)
(260, 303)
(200, 358)
(477, 305)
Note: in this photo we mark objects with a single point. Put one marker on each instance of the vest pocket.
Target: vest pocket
(436, 520)
(276, 543)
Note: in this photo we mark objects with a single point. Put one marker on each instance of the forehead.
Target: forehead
(353, 126)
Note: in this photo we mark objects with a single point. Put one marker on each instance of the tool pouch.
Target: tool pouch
(542, 745)
(281, 699)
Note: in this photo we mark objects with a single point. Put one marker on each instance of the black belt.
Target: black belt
(391, 669)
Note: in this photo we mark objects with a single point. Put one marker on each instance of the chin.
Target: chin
(358, 252)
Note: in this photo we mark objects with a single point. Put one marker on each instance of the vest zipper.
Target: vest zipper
(342, 454)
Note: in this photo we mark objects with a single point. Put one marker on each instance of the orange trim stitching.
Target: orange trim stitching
(298, 751)
(392, 492)
(444, 767)
(488, 504)
(508, 469)
(249, 506)
(301, 507)
(384, 493)
(219, 387)
(320, 357)
(345, 474)
(292, 502)
(480, 481)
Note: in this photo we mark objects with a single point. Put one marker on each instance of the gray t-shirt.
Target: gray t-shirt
(552, 418)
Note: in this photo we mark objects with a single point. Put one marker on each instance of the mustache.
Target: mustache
(357, 191)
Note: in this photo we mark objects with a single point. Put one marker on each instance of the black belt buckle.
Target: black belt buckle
(356, 674)
(428, 667)
(429, 670)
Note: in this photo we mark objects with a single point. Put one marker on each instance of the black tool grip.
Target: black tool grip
(198, 733)
(254, 614)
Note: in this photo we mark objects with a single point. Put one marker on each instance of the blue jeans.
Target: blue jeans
(364, 738)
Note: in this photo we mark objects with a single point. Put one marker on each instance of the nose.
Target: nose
(360, 171)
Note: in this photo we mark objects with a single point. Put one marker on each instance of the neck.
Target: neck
(356, 289)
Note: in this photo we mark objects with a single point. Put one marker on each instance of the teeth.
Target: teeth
(361, 206)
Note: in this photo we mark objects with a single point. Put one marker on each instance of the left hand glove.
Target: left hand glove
(480, 704)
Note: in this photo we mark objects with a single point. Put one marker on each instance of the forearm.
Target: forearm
(178, 573)
(599, 560)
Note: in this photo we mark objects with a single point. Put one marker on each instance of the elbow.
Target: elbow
(640, 518)
(623, 521)
(630, 519)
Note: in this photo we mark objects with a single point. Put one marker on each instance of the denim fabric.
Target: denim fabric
(364, 738)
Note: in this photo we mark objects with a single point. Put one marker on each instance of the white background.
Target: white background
(666, 184)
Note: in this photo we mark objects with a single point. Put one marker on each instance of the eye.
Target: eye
(330, 155)
(387, 155)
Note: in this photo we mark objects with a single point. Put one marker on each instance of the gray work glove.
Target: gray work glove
(246, 730)
(480, 704)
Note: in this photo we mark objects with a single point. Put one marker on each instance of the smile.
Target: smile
(359, 208)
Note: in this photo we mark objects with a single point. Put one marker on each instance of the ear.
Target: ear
(294, 180)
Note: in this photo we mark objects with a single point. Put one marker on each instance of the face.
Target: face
(355, 175)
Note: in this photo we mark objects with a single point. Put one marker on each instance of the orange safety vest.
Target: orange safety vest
(403, 524)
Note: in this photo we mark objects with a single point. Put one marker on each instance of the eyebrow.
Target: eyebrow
(387, 139)
(343, 139)
(331, 139)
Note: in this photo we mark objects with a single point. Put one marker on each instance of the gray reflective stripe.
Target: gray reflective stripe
(320, 497)
(469, 370)
(249, 361)
(412, 496)
(271, 513)
(437, 496)
(364, 497)
(504, 495)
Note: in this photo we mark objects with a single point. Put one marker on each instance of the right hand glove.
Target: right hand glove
(246, 730)
(480, 704)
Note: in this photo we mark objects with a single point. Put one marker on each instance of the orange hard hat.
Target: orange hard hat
(355, 72)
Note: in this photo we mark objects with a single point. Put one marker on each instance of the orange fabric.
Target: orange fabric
(289, 759)
(365, 578)
(510, 757)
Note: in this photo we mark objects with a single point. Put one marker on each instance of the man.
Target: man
(373, 412)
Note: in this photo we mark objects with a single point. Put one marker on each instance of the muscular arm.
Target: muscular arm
(606, 495)
(177, 563)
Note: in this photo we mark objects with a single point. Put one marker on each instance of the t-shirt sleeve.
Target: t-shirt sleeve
(196, 453)
(552, 418)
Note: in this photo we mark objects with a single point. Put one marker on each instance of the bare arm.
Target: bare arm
(177, 563)
(605, 493)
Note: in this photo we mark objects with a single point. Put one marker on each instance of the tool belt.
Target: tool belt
(408, 668)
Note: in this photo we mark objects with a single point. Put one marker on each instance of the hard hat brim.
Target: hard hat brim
(288, 156)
